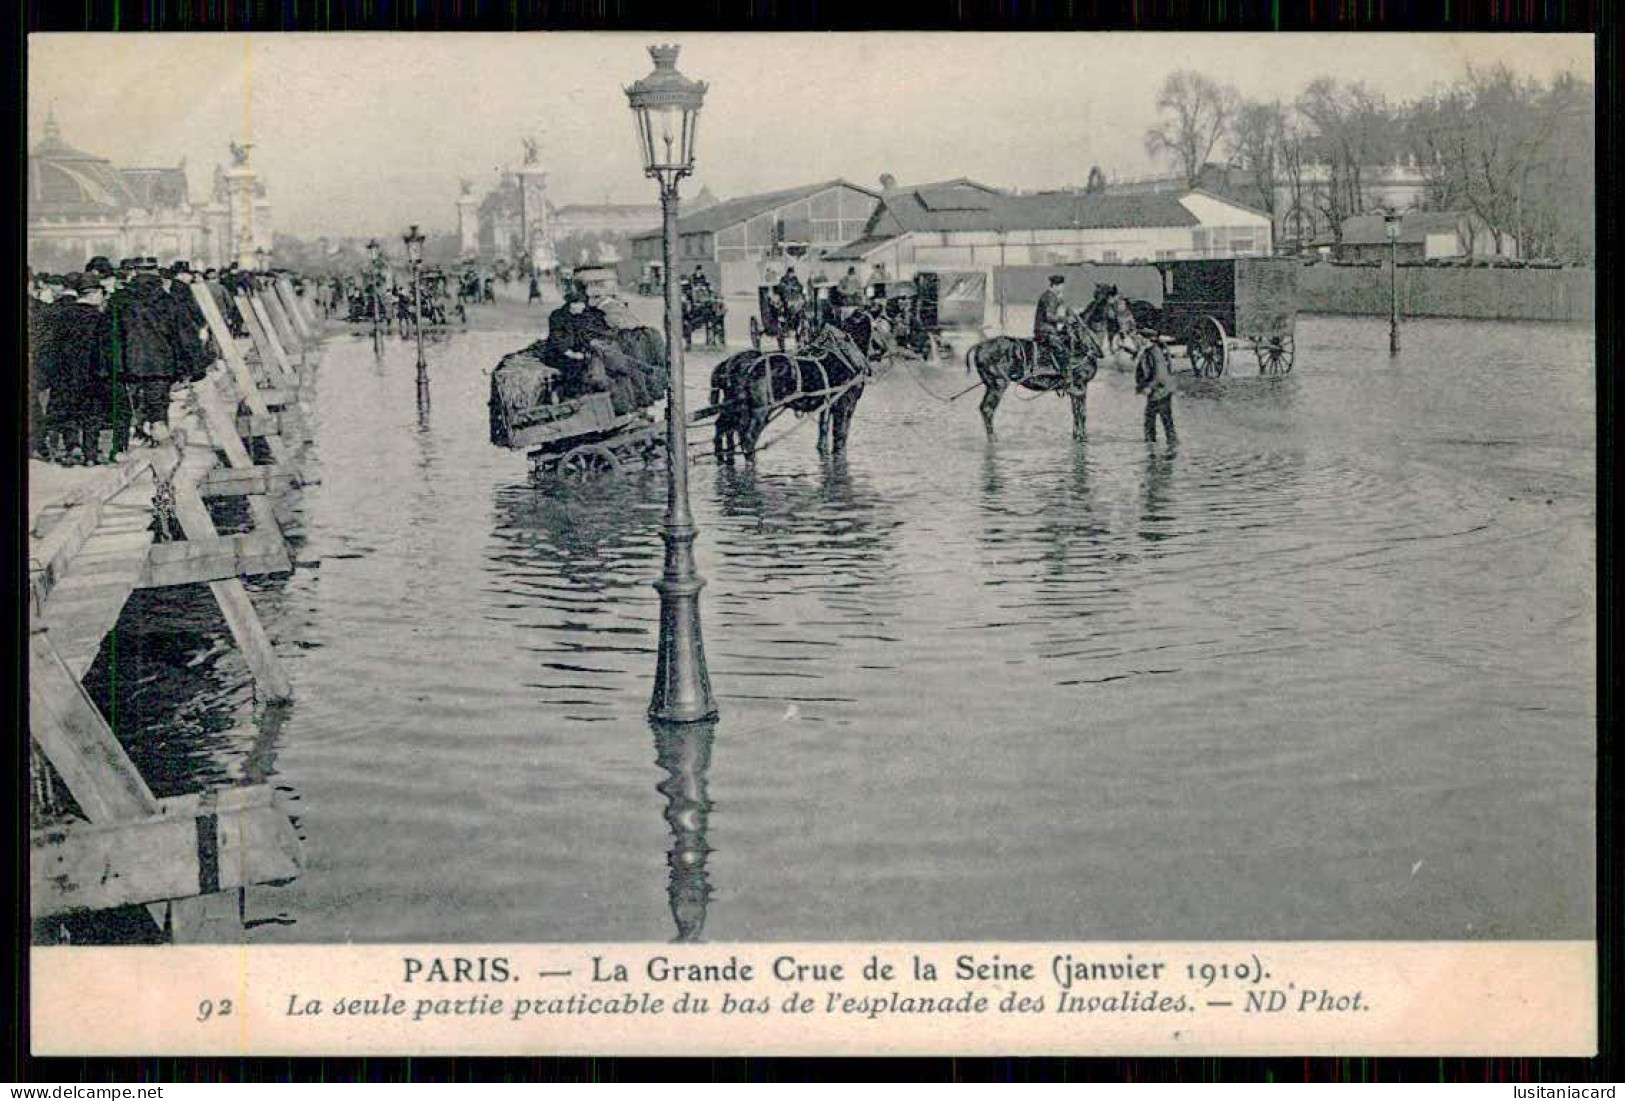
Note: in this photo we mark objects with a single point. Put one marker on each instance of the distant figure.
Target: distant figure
(790, 285)
(851, 290)
(535, 289)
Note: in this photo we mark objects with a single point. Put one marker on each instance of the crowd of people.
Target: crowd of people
(107, 344)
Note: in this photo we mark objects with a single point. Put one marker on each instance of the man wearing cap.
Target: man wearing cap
(144, 365)
(80, 391)
(568, 348)
(192, 347)
(1049, 327)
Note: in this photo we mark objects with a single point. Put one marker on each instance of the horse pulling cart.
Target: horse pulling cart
(585, 436)
(1219, 308)
(782, 316)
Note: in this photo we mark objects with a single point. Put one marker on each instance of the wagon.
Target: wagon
(1217, 309)
(703, 311)
(572, 437)
(777, 320)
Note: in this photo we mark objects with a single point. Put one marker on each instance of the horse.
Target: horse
(792, 311)
(748, 387)
(703, 312)
(1114, 319)
(1001, 360)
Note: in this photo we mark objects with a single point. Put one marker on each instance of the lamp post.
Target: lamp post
(374, 282)
(1391, 220)
(666, 112)
(414, 256)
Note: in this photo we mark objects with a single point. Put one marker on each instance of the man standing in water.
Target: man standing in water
(1154, 379)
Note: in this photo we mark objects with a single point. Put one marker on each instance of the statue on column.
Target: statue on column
(532, 150)
(239, 154)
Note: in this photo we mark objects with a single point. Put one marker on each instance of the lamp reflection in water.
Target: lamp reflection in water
(683, 751)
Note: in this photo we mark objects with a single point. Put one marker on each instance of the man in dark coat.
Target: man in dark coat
(193, 353)
(568, 348)
(144, 364)
(81, 343)
(1049, 326)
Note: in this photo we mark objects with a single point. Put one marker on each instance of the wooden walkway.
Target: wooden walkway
(96, 535)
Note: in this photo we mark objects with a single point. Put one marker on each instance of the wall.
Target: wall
(1507, 294)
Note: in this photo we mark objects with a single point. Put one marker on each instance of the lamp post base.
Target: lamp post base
(682, 692)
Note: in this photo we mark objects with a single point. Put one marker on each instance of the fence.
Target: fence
(1502, 294)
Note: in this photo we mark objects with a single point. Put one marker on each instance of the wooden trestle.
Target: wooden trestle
(91, 545)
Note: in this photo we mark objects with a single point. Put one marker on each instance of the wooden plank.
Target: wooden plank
(227, 556)
(277, 324)
(220, 425)
(245, 625)
(290, 305)
(247, 389)
(252, 425)
(272, 359)
(243, 482)
(76, 740)
(194, 845)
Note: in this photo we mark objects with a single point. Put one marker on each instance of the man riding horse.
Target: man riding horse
(1050, 327)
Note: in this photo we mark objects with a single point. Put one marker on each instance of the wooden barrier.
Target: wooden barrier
(188, 846)
(270, 347)
(290, 305)
(280, 325)
(89, 550)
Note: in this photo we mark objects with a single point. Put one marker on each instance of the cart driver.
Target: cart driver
(851, 288)
(1049, 327)
(700, 284)
(790, 285)
(570, 331)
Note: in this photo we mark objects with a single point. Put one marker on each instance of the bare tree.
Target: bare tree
(1514, 152)
(1257, 133)
(1350, 130)
(1195, 112)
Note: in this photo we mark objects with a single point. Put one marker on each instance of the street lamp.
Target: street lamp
(1391, 220)
(414, 256)
(375, 260)
(666, 112)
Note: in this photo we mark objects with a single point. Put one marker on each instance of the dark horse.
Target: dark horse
(1003, 360)
(749, 387)
(703, 313)
(1117, 322)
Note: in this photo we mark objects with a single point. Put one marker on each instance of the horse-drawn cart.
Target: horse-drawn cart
(575, 436)
(1218, 308)
(782, 317)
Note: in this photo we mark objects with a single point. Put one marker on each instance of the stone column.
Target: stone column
(468, 225)
(535, 230)
(240, 211)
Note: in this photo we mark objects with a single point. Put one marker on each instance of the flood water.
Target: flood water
(1325, 671)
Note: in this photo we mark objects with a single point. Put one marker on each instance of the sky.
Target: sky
(360, 134)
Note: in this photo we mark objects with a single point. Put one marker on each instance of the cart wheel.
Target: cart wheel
(755, 335)
(544, 464)
(1274, 355)
(1206, 348)
(588, 461)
